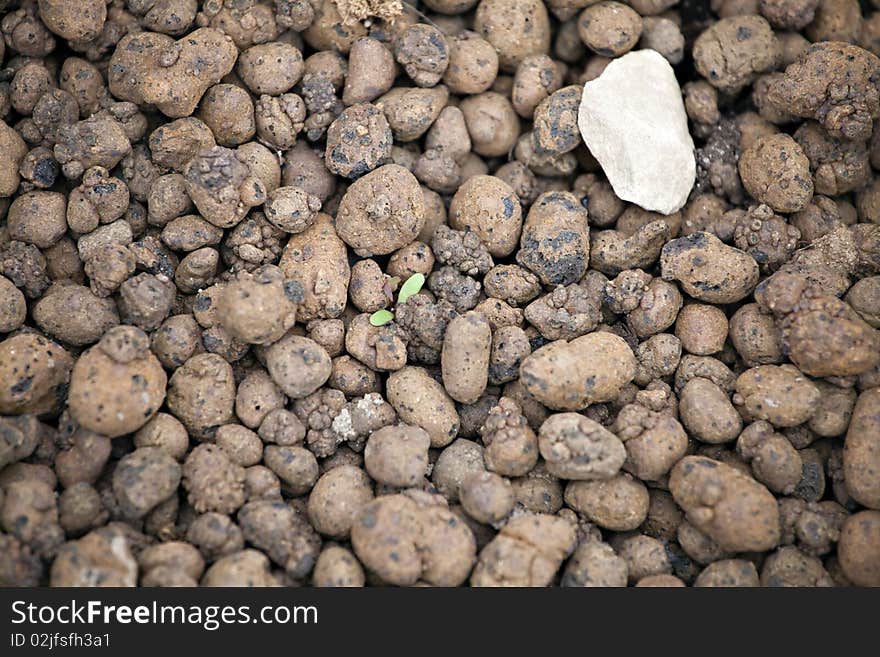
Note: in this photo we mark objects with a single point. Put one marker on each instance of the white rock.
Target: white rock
(633, 121)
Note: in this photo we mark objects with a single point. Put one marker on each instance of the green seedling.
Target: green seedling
(381, 317)
(412, 286)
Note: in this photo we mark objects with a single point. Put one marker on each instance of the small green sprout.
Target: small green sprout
(412, 286)
(381, 317)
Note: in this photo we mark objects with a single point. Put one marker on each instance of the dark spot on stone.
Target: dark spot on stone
(693, 241)
(293, 290)
(106, 188)
(358, 170)
(22, 386)
(508, 207)
(46, 171)
(812, 483)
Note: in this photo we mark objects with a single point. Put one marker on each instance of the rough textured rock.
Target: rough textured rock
(633, 120)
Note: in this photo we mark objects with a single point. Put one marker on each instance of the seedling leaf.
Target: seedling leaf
(412, 286)
(381, 317)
